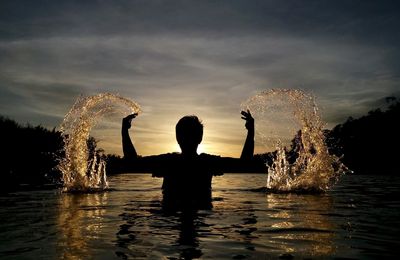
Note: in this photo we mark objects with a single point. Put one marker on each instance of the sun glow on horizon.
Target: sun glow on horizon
(200, 149)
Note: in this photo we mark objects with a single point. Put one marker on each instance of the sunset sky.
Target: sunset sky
(194, 57)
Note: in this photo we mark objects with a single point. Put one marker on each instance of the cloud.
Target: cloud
(194, 57)
(358, 20)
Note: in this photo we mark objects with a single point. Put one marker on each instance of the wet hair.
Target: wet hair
(189, 129)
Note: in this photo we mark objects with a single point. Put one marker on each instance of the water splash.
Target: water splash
(82, 167)
(307, 166)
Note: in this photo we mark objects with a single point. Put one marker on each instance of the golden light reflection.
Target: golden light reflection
(79, 221)
(283, 224)
(301, 218)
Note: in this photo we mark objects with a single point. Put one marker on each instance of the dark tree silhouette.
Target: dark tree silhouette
(28, 154)
(369, 144)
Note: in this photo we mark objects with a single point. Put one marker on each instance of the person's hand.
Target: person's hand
(127, 121)
(249, 120)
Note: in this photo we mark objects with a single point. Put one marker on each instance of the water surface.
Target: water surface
(358, 218)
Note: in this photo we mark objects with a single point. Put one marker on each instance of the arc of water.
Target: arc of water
(313, 169)
(81, 170)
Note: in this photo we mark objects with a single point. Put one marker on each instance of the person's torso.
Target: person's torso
(187, 178)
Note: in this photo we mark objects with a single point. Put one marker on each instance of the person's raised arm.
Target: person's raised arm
(248, 148)
(127, 145)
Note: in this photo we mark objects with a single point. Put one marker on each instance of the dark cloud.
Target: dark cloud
(369, 21)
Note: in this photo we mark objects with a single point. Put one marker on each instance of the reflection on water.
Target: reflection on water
(80, 220)
(358, 219)
(254, 224)
(306, 223)
(171, 234)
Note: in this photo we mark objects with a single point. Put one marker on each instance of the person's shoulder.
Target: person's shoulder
(162, 164)
(213, 162)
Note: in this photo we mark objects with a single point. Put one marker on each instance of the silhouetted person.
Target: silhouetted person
(187, 175)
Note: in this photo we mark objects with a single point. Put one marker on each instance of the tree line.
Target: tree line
(367, 145)
(30, 155)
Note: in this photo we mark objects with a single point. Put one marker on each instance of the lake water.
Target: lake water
(358, 218)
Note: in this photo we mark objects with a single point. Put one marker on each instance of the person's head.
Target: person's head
(189, 133)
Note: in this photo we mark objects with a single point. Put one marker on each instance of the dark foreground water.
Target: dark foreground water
(359, 218)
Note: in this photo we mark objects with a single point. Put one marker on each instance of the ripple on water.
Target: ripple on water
(131, 223)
